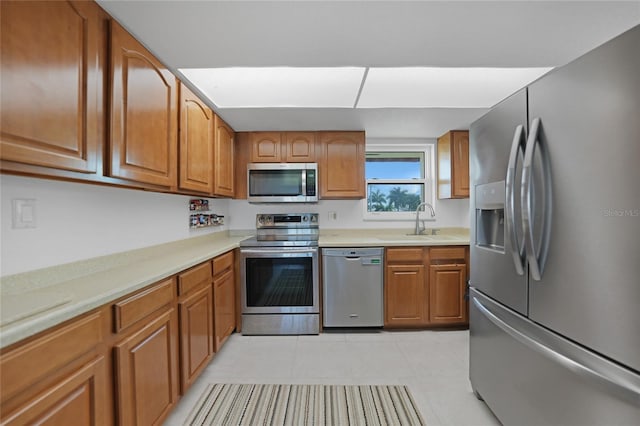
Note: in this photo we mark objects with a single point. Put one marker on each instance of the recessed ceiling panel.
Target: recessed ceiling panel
(278, 87)
(422, 87)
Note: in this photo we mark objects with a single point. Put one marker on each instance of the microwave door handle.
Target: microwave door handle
(303, 184)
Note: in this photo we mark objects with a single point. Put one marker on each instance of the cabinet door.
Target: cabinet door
(299, 147)
(460, 164)
(453, 165)
(447, 285)
(445, 174)
(242, 155)
(52, 85)
(404, 295)
(224, 306)
(341, 165)
(196, 334)
(78, 399)
(144, 116)
(223, 166)
(146, 365)
(196, 143)
(265, 147)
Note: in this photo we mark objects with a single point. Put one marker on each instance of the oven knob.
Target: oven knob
(305, 218)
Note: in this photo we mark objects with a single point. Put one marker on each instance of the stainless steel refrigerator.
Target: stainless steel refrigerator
(555, 245)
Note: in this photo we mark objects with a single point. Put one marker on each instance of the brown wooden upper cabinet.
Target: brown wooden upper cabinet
(52, 85)
(196, 143)
(453, 164)
(144, 118)
(223, 159)
(341, 165)
(282, 147)
(299, 147)
(265, 147)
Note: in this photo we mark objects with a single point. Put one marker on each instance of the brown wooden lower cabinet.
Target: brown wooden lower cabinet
(58, 377)
(415, 298)
(123, 362)
(225, 313)
(447, 286)
(77, 399)
(224, 298)
(146, 364)
(196, 334)
(404, 304)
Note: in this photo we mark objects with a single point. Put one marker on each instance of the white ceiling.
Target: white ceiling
(211, 34)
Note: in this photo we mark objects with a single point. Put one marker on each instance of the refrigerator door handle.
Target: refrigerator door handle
(536, 256)
(517, 250)
(619, 383)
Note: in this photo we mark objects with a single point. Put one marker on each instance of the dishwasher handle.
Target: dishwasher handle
(353, 252)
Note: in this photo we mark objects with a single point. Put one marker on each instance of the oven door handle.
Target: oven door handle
(282, 252)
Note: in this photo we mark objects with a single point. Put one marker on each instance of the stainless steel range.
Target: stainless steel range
(279, 275)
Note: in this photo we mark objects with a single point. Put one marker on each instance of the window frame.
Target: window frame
(428, 149)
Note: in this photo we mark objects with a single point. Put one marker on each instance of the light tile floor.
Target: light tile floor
(434, 364)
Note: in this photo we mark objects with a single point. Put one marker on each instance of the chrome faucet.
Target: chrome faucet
(418, 229)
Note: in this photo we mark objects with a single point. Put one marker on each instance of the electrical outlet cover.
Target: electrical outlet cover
(23, 214)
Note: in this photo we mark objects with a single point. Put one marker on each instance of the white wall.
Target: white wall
(80, 221)
(450, 213)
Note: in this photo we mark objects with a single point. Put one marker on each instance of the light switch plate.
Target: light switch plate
(23, 214)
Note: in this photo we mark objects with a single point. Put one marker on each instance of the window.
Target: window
(397, 181)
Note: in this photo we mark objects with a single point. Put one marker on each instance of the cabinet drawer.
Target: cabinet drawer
(136, 307)
(31, 362)
(195, 276)
(222, 263)
(446, 253)
(403, 255)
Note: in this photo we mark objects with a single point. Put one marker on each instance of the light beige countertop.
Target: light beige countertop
(34, 301)
(393, 237)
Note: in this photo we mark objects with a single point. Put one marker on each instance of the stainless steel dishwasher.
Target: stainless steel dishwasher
(352, 287)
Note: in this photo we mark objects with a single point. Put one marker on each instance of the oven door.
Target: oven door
(279, 280)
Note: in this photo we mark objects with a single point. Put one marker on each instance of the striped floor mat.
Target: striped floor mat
(331, 405)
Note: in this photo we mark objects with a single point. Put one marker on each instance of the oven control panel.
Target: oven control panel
(287, 220)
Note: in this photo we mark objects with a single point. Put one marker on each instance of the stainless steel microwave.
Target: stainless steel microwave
(282, 182)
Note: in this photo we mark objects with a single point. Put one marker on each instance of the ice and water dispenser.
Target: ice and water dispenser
(489, 206)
